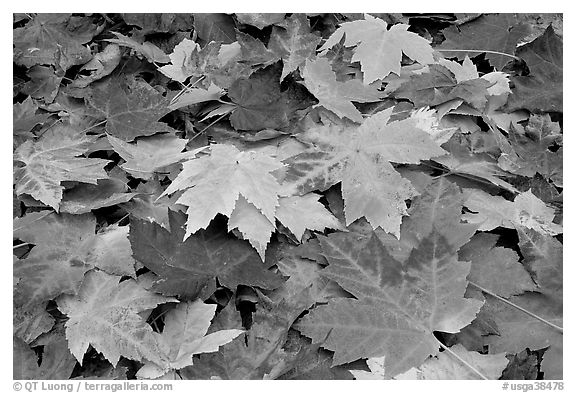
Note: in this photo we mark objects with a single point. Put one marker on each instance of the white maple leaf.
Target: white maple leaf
(379, 49)
(184, 335)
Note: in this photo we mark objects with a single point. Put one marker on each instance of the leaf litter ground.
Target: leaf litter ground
(288, 196)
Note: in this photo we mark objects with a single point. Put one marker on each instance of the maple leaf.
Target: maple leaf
(299, 213)
(260, 20)
(56, 363)
(496, 269)
(494, 211)
(150, 51)
(105, 315)
(181, 67)
(529, 150)
(159, 23)
(57, 265)
(543, 256)
(184, 335)
(215, 27)
(447, 367)
(253, 225)
(55, 39)
(462, 161)
(518, 331)
(189, 268)
(146, 205)
(488, 33)
(43, 84)
(211, 184)
(216, 63)
(379, 49)
(439, 85)
(541, 90)
(397, 306)
(260, 103)
(437, 209)
(31, 322)
(102, 64)
(196, 95)
(293, 42)
(149, 154)
(52, 159)
(87, 197)
(260, 353)
(336, 96)
(131, 108)
(361, 158)
(24, 118)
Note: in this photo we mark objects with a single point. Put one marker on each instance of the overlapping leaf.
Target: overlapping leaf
(130, 108)
(399, 305)
(361, 158)
(541, 90)
(189, 268)
(379, 48)
(53, 159)
(55, 39)
(489, 33)
(184, 335)
(337, 96)
(105, 315)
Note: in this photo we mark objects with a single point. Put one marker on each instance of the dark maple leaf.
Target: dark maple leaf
(43, 83)
(131, 108)
(159, 23)
(260, 20)
(56, 361)
(215, 27)
(262, 104)
(190, 268)
(55, 39)
(490, 33)
(541, 90)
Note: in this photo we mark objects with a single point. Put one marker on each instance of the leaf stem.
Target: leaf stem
(93, 126)
(479, 50)
(464, 362)
(21, 245)
(517, 307)
(208, 126)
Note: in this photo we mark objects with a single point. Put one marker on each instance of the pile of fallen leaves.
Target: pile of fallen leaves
(287, 196)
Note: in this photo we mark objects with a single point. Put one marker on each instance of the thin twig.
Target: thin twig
(208, 126)
(93, 126)
(517, 307)
(21, 245)
(480, 50)
(464, 362)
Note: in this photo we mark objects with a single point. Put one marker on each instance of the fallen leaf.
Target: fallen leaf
(541, 90)
(184, 335)
(336, 96)
(294, 43)
(260, 20)
(53, 159)
(105, 315)
(131, 109)
(379, 49)
(190, 268)
(488, 33)
(397, 306)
